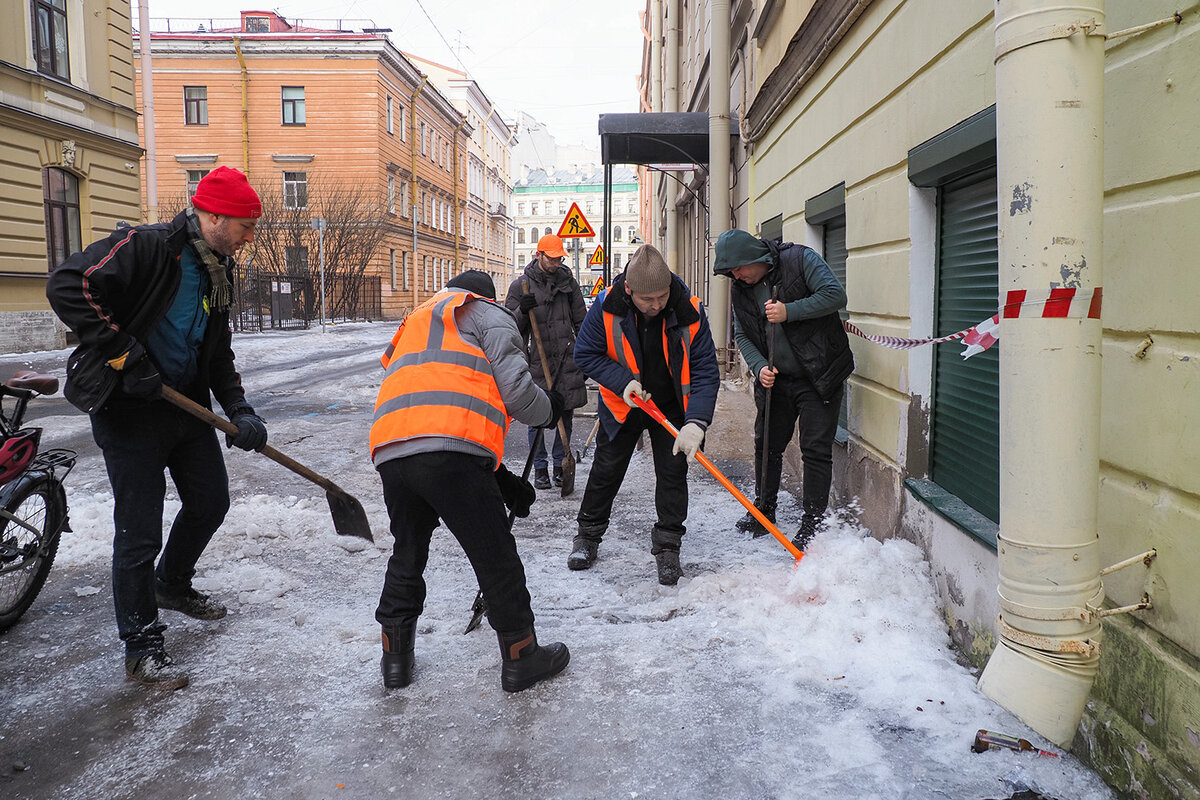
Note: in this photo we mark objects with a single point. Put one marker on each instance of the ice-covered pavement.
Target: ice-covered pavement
(750, 679)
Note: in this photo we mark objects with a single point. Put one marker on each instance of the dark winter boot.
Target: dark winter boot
(541, 478)
(749, 522)
(397, 661)
(155, 671)
(583, 553)
(810, 523)
(526, 663)
(668, 567)
(558, 476)
(187, 600)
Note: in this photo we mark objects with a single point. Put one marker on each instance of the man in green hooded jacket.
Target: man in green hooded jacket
(812, 362)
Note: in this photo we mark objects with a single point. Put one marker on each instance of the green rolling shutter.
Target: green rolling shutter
(965, 435)
(834, 245)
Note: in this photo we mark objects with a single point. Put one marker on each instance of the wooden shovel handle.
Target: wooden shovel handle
(224, 425)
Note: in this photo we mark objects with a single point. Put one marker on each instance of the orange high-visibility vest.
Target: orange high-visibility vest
(437, 383)
(621, 351)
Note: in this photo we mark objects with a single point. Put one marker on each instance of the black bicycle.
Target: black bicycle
(33, 503)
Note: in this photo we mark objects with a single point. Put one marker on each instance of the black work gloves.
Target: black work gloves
(528, 302)
(139, 376)
(556, 407)
(251, 429)
(517, 492)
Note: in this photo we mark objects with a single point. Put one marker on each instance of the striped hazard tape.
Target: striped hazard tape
(1063, 303)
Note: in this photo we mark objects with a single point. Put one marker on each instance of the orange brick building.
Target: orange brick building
(302, 110)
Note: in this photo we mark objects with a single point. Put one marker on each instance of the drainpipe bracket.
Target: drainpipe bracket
(1142, 606)
(1084, 647)
(1048, 33)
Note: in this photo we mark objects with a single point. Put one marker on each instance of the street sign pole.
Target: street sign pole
(319, 224)
(575, 253)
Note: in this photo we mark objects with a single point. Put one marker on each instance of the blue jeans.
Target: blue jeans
(559, 449)
(138, 448)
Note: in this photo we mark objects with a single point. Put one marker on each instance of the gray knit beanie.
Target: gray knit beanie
(647, 271)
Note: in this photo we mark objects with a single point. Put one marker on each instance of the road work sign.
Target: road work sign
(598, 256)
(597, 287)
(575, 225)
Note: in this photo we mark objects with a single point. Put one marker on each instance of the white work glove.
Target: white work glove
(688, 442)
(634, 388)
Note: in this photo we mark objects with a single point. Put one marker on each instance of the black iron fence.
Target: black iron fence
(265, 300)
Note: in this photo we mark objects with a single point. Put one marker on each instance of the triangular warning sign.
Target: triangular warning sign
(598, 256)
(597, 287)
(575, 225)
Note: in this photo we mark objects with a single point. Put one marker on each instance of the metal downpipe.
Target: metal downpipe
(670, 104)
(1049, 147)
(718, 166)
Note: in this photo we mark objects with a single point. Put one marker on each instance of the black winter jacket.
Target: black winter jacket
(820, 345)
(120, 287)
(560, 312)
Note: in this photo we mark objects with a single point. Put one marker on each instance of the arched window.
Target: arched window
(533, 235)
(616, 233)
(548, 231)
(520, 236)
(60, 200)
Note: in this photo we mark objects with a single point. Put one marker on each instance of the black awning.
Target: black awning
(662, 138)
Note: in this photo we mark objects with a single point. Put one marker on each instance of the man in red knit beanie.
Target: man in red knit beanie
(150, 305)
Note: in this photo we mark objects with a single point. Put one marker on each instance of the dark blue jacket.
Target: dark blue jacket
(591, 350)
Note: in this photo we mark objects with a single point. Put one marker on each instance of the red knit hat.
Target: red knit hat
(227, 192)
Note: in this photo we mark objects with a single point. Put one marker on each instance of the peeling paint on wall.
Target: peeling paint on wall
(1022, 202)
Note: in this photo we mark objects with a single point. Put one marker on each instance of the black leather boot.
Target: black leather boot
(668, 567)
(541, 478)
(526, 663)
(558, 476)
(583, 553)
(397, 661)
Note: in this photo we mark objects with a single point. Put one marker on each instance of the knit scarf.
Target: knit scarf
(221, 294)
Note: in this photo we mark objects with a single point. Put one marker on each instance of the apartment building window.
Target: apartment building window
(195, 105)
(295, 259)
(404, 271)
(404, 199)
(616, 233)
(392, 266)
(533, 208)
(295, 190)
(828, 212)
(520, 236)
(964, 427)
(194, 176)
(391, 198)
(60, 199)
(520, 209)
(425, 271)
(50, 38)
(391, 123)
(562, 206)
(424, 150)
(258, 24)
(401, 117)
(293, 105)
(533, 235)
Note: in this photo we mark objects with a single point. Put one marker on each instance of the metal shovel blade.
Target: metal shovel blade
(568, 470)
(349, 517)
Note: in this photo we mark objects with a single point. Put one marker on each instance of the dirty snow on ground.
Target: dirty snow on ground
(752, 678)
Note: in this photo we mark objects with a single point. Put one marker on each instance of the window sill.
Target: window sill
(954, 511)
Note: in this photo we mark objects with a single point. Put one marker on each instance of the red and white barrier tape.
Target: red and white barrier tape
(1063, 303)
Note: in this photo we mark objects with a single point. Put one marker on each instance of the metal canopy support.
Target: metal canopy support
(675, 138)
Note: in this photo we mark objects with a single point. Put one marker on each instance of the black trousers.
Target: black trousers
(796, 400)
(608, 473)
(461, 490)
(138, 448)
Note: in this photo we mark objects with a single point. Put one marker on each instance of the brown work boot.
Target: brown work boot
(526, 663)
(155, 671)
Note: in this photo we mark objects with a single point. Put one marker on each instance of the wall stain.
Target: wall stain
(1072, 274)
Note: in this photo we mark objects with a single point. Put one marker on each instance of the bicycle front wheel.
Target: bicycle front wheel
(29, 528)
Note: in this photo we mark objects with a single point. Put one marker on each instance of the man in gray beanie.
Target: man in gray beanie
(646, 336)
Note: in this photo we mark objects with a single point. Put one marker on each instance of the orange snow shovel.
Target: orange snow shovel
(652, 410)
(349, 517)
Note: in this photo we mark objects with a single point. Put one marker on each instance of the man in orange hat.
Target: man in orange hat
(550, 292)
(150, 305)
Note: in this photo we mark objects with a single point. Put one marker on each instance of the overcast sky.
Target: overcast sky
(563, 63)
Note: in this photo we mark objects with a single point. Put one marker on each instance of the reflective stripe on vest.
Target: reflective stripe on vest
(437, 383)
(621, 351)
